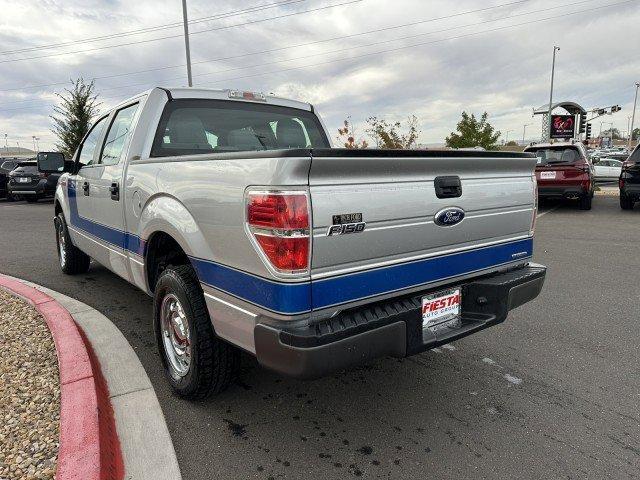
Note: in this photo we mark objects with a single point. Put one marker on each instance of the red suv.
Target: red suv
(564, 171)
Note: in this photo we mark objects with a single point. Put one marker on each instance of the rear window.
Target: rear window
(27, 168)
(8, 165)
(209, 126)
(551, 155)
(635, 156)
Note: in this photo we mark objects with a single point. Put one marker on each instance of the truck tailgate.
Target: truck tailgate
(395, 193)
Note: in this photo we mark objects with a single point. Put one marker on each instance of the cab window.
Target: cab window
(88, 147)
(118, 135)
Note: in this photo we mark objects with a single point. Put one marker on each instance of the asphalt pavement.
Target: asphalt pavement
(554, 392)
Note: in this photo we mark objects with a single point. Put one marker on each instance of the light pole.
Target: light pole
(6, 147)
(506, 136)
(186, 41)
(34, 143)
(553, 68)
(633, 116)
(524, 131)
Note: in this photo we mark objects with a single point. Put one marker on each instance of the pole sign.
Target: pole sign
(562, 126)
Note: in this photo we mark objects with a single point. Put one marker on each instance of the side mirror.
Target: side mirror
(52, 162)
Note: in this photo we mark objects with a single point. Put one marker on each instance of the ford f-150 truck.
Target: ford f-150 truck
(251, 233)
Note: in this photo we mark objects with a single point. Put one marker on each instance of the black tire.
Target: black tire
(31, 199)
(213, 363)
(10, 198)
(585, 202)
(625, 202)
(74, 260)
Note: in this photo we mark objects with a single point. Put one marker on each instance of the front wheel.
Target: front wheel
(72, 260)
(625, 202)
(585, 202)
(196, 362)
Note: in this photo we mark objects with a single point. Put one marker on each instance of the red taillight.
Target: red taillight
(43, 175)
(278, 211)
(621, 183)
(279, 223)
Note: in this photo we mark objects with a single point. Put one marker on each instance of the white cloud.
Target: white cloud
(505, 72)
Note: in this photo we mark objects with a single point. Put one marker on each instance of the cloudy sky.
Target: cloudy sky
(351, 58)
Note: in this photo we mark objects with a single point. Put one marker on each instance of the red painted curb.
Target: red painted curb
(89, 447)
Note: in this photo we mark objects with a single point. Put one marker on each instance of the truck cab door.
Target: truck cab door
(107, 196)
(79, 221)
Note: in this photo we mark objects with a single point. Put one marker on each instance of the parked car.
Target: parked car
(564, 171)
(27, 182)
(607, 169)
(6, 165)
(209, 200)
(629, 181)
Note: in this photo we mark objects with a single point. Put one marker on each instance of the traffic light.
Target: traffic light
(583, 123)
(588, 131)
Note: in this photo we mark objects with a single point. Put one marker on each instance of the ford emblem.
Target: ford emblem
(448, 217)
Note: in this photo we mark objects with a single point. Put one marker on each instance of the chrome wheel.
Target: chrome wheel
(176, 337)
(62, 251)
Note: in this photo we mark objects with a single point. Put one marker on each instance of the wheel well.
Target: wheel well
(162, 251)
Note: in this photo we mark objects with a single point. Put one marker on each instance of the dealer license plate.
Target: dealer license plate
(23, 180)
(547, 175)
(441, 309)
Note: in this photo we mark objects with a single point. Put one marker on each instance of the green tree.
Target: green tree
(635, 134)
(389, 135)
(616, 133)
(472, 132)
(347, 136)
(78, 105)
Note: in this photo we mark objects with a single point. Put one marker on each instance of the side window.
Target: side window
(118, 135)
(88, 147)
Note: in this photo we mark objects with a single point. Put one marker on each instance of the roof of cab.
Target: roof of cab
(222, 94)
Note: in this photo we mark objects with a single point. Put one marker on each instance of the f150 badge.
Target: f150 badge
(346, 223)
(449, 216)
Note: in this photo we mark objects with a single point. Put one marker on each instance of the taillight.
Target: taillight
(535, 204)
(279, 223)
(43, 175)
(621, 183)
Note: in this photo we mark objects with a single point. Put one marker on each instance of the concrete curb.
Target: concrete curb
(145, 443)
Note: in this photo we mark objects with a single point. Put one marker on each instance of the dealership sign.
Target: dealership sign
(562, 126)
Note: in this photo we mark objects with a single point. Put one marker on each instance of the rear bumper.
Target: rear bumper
(570, 191)
(392, 327)
(40, 188)
(631, 190)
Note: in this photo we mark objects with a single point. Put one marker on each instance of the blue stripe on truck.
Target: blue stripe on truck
(292, 298)
(118, 238)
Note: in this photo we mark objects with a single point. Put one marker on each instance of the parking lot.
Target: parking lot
(552, 393)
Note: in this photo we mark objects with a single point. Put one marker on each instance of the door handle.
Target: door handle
(85, 188)
(115, 191)
(448, 187)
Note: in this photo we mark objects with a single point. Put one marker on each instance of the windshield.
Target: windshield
(27, 168)
(550, 155)
(209, 126)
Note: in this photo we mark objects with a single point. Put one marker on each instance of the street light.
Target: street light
(186, 41)
(506, 137)
(524, 131)
(553, 69)
(633, 116)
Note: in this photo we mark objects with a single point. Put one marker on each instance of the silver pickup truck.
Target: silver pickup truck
(251, 233)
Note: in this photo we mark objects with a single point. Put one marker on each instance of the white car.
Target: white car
(607, 169)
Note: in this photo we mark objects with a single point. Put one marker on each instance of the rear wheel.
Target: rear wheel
(196, 362)
(72, 259)
(625, 202)
(585, 202)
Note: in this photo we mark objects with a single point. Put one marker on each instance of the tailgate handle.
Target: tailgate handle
(448, 187)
